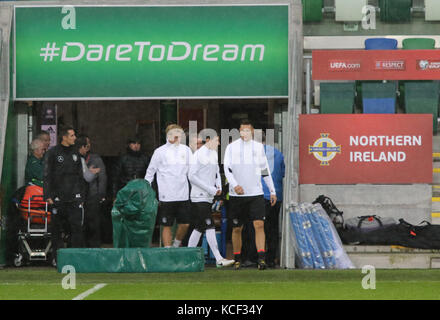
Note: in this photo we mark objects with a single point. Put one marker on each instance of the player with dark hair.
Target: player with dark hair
(245, 163)
(64, 189)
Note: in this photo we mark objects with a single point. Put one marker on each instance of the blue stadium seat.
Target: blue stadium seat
(380, 44)
(378, 96)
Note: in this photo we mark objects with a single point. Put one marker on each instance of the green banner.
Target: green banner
(94, 52)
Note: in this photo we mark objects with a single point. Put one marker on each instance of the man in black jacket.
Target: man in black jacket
(130, 166)
(64, 189)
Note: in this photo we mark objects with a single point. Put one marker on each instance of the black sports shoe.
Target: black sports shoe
(261, 264)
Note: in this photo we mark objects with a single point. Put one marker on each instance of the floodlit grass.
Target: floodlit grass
(224, 284)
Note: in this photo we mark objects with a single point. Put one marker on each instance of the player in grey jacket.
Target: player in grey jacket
(96, 192)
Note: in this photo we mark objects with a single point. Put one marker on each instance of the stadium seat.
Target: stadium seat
(395, 10)
(337, 97)
(422, 97)
(414, 44)
(349, 10)
(418, 43)
(378, 97)
(432, 10)
(312, 10)
(380, 44)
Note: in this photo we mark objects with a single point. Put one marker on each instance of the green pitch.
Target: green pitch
(223, 284)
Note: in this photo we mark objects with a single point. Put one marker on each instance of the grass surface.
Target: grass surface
(223, 284)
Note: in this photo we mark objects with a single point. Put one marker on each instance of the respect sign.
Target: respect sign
(365, 148)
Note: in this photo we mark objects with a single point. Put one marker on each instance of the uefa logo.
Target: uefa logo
(428, 65)
(423, 64)
(324, 149)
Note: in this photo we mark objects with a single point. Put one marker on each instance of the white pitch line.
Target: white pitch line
(90, 291)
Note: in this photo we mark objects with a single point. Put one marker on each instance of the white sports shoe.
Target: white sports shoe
(224, 263)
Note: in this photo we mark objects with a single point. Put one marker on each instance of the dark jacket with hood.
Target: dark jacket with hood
(132, 165)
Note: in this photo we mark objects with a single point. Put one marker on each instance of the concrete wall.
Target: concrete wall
(410, 202)
(386, 257)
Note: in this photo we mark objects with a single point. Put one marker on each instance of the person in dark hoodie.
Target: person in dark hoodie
(130, 166)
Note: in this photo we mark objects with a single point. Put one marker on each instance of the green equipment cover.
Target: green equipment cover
(131, 260)
(134, 215)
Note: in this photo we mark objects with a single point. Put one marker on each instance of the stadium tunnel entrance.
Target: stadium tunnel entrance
(110, 121)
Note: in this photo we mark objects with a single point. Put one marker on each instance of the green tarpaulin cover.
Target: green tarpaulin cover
(131, 260)
(134, 215)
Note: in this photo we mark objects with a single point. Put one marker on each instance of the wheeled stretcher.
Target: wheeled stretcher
(34, 238)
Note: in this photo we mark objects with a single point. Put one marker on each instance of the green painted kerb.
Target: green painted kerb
(152, 52)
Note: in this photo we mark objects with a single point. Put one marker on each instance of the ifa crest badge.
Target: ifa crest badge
(324, 149)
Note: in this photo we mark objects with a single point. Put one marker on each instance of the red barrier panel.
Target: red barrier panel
(365, 148)
(376, 64)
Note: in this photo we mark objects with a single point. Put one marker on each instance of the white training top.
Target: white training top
(204, 175)
(170, 163)
(245, 163)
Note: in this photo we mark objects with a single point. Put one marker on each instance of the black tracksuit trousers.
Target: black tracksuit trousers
(67, 217)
